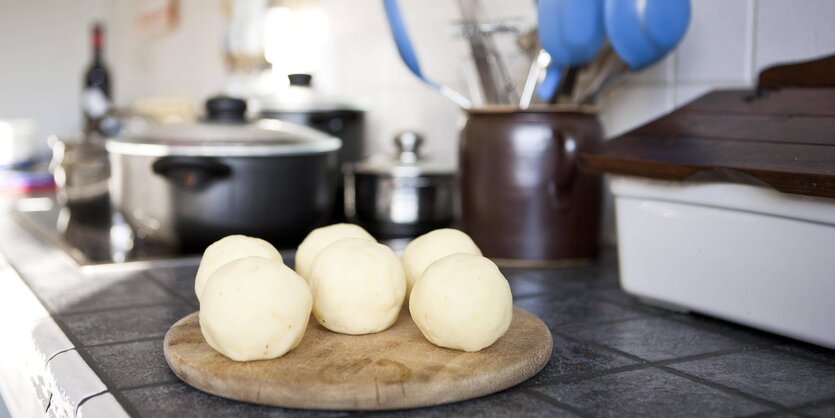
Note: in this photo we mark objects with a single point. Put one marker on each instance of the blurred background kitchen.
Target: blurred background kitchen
(133, 133)
(175, 53)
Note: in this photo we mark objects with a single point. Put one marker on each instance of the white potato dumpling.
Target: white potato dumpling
(433, 246)
(322, 237)
(229, 249)
(255, 308)
(358, 287)
(462, 302)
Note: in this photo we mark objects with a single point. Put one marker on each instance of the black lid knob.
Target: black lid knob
(303, 80)
(225, 109)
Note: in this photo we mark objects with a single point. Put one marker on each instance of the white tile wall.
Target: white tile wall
(632, 105)
(717, 46)
(43, 48)
(789, 30)
(188, 61)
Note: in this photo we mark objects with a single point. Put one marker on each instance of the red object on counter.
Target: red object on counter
(21, 182)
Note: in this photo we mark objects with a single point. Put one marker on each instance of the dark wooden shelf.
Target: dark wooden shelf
(782, 138)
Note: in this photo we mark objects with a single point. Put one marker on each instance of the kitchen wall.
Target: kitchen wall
(43, 49)
(728, 42)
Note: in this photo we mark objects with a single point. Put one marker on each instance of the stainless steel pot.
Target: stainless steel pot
(81, 171)
(403, 196)
(191, 184)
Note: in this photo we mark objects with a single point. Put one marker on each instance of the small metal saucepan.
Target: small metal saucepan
(402, 196)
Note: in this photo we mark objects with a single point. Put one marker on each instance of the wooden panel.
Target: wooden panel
(784, 139)
(810, 102)
(396, 368)
(745, 127)
(790, 168)
(815, 73)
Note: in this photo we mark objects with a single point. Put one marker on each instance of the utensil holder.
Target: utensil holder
(524, 199)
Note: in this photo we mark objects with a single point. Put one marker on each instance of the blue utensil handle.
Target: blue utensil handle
(548, 88)
(409, 57)
(401, 37)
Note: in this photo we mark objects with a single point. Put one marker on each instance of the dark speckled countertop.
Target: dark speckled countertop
(613, 356)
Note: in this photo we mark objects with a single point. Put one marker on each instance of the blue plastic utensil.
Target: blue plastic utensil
(641, 32)
(550, 83)
(571, 31)
(644, 31)
(407, 53)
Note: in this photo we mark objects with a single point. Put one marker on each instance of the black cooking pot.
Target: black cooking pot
(301, 104)
(189, 184)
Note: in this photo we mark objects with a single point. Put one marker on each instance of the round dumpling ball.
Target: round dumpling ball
(254, 308)
(358, 287)
(462, 302)
(432, 246)
(229, 249)
(320, 238)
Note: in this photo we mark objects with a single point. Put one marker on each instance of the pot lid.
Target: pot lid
(224, 132)
(407, 163)
(301, 97)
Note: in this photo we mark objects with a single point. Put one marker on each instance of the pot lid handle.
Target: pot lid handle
(302, 80)
(226, 109)
(408, 146)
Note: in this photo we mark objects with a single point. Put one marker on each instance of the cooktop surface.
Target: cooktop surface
(97, 235)
(91, 235)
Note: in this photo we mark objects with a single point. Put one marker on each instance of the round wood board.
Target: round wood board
(397, 368)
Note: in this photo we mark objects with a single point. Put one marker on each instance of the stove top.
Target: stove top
(92, 237)
(98, 237)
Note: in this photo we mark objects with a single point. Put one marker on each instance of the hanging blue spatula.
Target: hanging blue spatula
(641, 32)
(571, 31)
(407, 53)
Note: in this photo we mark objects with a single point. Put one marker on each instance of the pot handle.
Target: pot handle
(190, 172)
(566, 167)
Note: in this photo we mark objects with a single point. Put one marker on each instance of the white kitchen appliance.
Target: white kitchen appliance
(744, 253)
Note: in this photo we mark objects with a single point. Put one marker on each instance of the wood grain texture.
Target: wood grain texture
(397, 368)
(814, 73)
(784, 139)
(777, 102)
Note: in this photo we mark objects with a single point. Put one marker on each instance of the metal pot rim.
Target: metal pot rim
(261, 138)
(403, 172)
(222, 150)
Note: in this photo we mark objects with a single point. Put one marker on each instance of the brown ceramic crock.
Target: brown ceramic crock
(523, 197)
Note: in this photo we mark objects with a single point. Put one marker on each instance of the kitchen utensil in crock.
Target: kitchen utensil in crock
(540, 62)
(571, 31)
(189, 184)
(407, 53)
(642, 32)
(523, 198)
(403, 196)
(494, 78)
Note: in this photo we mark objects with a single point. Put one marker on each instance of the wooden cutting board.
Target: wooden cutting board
(397, 368)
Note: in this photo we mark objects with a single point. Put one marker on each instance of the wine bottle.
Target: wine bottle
(95, 98)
